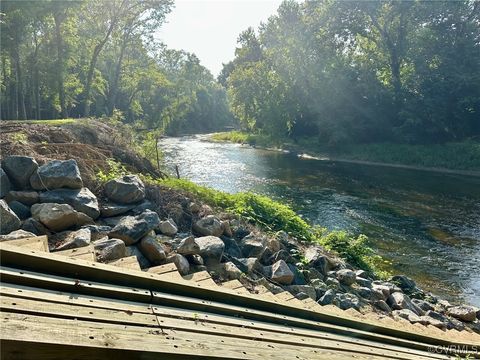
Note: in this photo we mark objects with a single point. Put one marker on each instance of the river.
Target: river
(427, 224)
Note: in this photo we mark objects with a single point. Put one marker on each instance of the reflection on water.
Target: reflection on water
(427, 224)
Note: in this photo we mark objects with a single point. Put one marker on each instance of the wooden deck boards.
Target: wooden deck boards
(75, 292)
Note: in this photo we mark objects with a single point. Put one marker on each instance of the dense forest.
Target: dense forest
(337, 71)
(361, 71)
(75, 59)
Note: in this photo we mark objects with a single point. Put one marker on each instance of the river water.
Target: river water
(426, 223)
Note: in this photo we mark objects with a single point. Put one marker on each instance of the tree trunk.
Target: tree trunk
(59, 17)
(20, 96)
(112, 96)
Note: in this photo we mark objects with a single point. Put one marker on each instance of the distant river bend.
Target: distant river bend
(427, 224)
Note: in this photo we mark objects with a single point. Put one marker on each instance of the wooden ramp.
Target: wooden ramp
(59, 307)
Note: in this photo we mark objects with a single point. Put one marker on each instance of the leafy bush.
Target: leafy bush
(115, 170)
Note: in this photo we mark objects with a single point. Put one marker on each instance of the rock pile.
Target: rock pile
(51, 200)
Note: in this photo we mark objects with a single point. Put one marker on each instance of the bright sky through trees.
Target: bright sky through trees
(209, 28)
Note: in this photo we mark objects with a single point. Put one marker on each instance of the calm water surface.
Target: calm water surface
(427, 224)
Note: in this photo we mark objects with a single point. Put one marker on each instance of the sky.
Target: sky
(210, 28)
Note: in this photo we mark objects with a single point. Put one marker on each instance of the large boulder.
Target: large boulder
(25, 197)
(81, 200)
(133, 250)
(57, 174)
(403, 282)
(109, 249)
(181, 263)
(152, 249)
(168, 227)
(188, 246)
(231, 271)
(58, 217)
(209, 226)
(463, 312)
(346, 301)
(34, 226)
(281, 273)
(19, 170)
(346, 276)
(75, 239)
(400, 301)
(252, 245)
(112, 209)
(22, 211)
(5, 185)
(210, 248)
(9, 221)
(250, 265)
(17, 234)
(132, 228)
(125, 190)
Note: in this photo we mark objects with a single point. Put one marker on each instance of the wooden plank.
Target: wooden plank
(163, 342)
(129, 262)
(39, 243)
(232, 284)
(30, 278)
(90, 303)
(11, 255)
(26, 292)
(162, 269)
(198, 276)
(84, 253)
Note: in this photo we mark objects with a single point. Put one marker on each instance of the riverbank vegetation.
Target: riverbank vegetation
(356, 72)
(101, 59)
(453, 155)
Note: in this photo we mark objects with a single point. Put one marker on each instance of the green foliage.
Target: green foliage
(115, 169)
(56, 122)
(355, 251)
(232, 136)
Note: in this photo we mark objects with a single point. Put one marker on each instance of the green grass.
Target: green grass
(55, 122)
(454, 156)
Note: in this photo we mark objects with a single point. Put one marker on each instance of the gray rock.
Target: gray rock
(19, 170)
(463, 312)
(231, 271)
(404, 283)
(144, 205)
(400, 301)
(249, 265)
(227, 230)
(109, 249)
(9, 221)
(152, 249)
(125, 190)
(97, 231)
(81, 200)
(281, 273)
(407, 314)
(211, 248)
(57, 174)
(346, 276)
(5, 185)
(332, 283)
(182, 264)
(188, 246)
(141, 259)
(22, 211)
(361, 274)
(364, 292)
(281, 255)
(17, 234)
(76, 239)
(298, 277)
(305, 289)
(132, 228)
(58, 217)
(25, 197)
(382, 305)
(384, 290)
(34, 226)
(346, 301)
(209, 226)
(168, 227)
(112, 209)
(422, 304)
(327, 298)
(195, 260)
(252, 246)
(231, 247)
(193, 208)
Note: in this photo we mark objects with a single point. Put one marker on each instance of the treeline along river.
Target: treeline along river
(426, 223)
